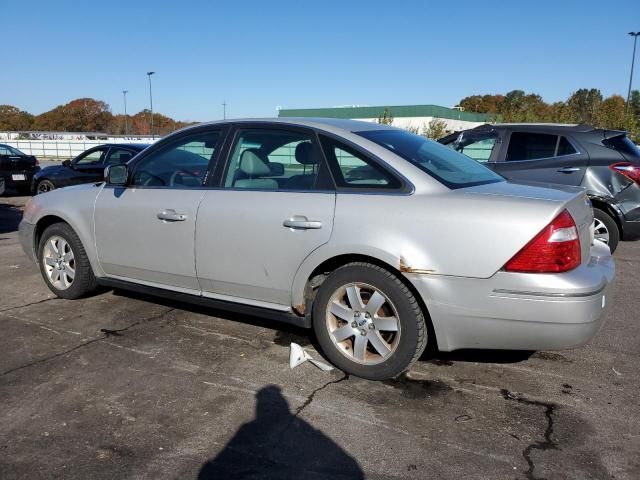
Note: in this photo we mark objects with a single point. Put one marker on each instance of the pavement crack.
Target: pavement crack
(312, 395)
(107, 333)
(548, 443)
(17, 307)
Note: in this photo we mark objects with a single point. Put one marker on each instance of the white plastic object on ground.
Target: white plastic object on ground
(298, 355)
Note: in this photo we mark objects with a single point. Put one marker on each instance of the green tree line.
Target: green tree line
(583, 106)
(86, 115)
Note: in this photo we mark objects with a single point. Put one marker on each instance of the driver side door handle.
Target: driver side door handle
(170, 215)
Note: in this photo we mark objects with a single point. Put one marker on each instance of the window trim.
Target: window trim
(405, 188)
(171, 140)
(232, 138)
(558, 135)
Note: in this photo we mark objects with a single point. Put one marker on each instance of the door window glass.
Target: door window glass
(181, 164)
(355, 169)
(565, 147)
(118, 155)
(274, 160)
(91, 157)
(531, 146)
(479, 148)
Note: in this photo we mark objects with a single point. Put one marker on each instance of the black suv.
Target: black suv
(605, 162)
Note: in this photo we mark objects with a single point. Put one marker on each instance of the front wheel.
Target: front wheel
(64, 263)
(368, 322)
(606, 229)
(44, 186)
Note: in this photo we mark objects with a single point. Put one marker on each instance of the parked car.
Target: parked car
(85, 168)
(16, 169)
(377, 238)
(605, 162)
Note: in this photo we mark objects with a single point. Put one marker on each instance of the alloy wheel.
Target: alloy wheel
(600, 231)
(59, 262)
(363, 323)
(45, 186)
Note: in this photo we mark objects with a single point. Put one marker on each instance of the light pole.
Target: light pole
(224, 110)
(126, 127)
(151, 102)
(633, 58)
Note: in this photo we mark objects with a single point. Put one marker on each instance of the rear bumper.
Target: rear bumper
(9, 182)
(515, 311)
(26, 233)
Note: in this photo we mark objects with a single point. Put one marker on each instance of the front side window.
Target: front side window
(180, 164)
(118, 155)
(90, 158)
(266, 159)
(449, 167)
(531, 146)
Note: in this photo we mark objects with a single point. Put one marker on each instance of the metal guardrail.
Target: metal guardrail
(65, 149)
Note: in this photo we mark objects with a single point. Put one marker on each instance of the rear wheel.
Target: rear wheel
(64, 263)
(368, 322)
(606, 229)
(44, 186)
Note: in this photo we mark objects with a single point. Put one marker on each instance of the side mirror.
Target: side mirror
(277, 169)
(67, 163)
(116, 174)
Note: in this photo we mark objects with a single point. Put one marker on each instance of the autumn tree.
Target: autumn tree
(436, 129)
(386, 118)
(13, 119)
(80, 115)
(482, 103)
(583, 105)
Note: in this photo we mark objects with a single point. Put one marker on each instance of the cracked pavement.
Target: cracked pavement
(126, 386)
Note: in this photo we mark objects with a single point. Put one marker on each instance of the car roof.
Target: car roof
(328, 124)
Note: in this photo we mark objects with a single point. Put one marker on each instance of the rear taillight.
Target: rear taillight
(555, 249)
(628, 170)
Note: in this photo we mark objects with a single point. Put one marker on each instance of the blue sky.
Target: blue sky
(294, 54)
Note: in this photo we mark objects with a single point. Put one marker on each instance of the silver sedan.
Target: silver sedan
(378, 239)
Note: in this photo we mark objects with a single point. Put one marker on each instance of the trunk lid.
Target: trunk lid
(17, 163)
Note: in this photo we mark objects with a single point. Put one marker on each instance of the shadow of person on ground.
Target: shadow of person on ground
(280, 445)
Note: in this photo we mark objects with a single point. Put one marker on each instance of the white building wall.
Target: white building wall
(422, 122)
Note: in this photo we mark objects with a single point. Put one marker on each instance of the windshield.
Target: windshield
(449, 167)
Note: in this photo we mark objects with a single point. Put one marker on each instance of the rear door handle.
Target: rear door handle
(301, 223)
(170, 215)
(569, 169)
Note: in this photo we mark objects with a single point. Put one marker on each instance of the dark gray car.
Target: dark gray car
(605, 162)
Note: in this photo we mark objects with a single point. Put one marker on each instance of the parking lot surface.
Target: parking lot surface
(124, 386)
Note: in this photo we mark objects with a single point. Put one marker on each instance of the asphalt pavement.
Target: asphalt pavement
(120, 385)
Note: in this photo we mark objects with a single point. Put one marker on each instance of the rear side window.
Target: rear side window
(565, 147)
(531, 146)
(352, 169)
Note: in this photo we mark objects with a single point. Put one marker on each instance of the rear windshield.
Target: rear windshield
(449, 167)
(9, 150)
(622, 144)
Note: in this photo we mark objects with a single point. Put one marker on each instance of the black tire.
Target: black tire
(413, 329)
(84, 281)
(610, 225)
(44, 186)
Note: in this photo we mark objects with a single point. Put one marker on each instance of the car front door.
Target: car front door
(145, 230)
(88, 166)
(274, 205)
(541, 157)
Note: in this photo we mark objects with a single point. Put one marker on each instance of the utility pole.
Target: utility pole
(126, 126)
(633, 58)
(151, 102)
(224, 110)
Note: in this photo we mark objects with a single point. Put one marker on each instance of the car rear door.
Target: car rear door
(272, 206)
(145, 231)
(535, 156)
